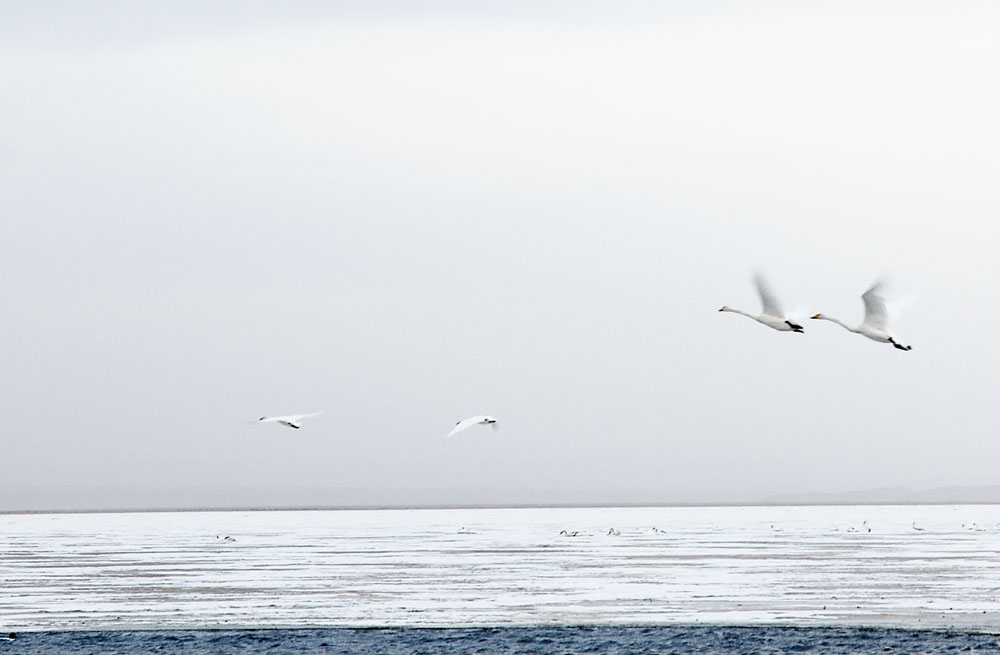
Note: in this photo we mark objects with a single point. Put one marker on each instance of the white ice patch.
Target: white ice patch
(725, 565)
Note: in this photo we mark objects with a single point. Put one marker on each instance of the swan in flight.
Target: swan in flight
(771, 316)
(465, 424)
(292, 420)
(876, 323)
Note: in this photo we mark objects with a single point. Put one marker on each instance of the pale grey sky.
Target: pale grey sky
(406, 214)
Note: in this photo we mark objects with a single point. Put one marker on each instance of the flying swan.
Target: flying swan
(465, 424)
(292, 420)
(771, 316)
(876, 323)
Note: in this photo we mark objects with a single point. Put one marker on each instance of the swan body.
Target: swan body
(292, 420)
(771, 314)
(467, 423)
(876, 323)
(573, 533)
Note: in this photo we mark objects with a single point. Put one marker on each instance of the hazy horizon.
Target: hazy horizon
(405, 214)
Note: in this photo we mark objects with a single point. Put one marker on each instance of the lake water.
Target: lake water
(718, 566)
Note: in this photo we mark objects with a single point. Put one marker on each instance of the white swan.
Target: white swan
(292, 420)
(876, 323)
(467, 423)
(771, 316)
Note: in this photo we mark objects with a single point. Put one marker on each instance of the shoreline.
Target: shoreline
(483, 506)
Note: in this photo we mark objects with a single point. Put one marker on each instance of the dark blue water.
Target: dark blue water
(455, 641)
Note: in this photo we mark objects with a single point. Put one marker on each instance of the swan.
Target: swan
(614, 533)
(292, 420)
(771, 316)
(467, 423)
(917, 527)
(876, 323)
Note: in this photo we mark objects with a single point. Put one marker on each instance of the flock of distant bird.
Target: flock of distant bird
(295, 421)
(875, 326)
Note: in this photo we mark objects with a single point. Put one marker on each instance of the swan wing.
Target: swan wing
(465, 424)
(298, 417)
(876, 315)
(767, 299)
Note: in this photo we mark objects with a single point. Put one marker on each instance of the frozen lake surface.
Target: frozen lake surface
(802, 566)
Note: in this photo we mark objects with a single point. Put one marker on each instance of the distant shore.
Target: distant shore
(400, 507)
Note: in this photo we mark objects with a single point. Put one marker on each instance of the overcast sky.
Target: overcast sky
(406, 214)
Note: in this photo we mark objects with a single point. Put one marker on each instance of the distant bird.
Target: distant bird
(465, 530)
(614, 533)
(574, 533)
(917, 527)
(465, 424)
(771, 316)
(292, 420)
(876, 323)
(226, 538)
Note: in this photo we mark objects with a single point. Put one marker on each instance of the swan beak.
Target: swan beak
(816, 316)
(722, 309)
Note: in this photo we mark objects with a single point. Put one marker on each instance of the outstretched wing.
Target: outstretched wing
(767, 299)
(465, 424)
(296, 418)
(461, 425)
(876, 315)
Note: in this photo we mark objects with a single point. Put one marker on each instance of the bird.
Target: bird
(917, 527)
(292, 420)
(227, 538)
(614, 533)
(467, 423)
(876, 323)
(771, 316)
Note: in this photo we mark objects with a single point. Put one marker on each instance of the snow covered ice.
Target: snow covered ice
(857, 565)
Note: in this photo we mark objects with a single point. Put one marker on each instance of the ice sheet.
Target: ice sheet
(728, 565)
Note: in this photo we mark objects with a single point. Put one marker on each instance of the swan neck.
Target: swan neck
(740, 311)
(840, 323)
